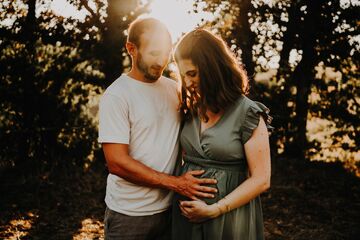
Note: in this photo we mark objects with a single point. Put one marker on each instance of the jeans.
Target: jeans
(119, 226)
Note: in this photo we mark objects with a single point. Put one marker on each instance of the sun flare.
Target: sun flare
(177, 15)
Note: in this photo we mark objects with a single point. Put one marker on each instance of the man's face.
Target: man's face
(153, 54)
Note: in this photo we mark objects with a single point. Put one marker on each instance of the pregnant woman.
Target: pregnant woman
(224, 133)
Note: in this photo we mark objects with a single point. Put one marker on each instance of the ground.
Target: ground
(305, 201)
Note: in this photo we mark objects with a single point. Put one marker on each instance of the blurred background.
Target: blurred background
(58, 56)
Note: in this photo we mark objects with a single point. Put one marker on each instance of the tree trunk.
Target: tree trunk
(289, 41)
(304, 75)
(117, 22)
(245, 40)
(28, 102)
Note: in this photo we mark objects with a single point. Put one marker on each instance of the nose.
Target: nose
(162, 60)
(188, 82)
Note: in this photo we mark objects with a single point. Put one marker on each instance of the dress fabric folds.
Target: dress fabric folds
(219, 150)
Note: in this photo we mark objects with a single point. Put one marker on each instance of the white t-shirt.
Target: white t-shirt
(143, 115)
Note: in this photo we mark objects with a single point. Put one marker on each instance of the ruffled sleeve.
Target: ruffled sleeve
(252, 118)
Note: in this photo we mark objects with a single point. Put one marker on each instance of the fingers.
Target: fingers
(196, 172)
(202, 180)
(206, 189)
(196, 193)
(193, 197)
(189, 210)
(184, 211)
(188, 204)
(204, 195)
(207, 181)
(191, 186)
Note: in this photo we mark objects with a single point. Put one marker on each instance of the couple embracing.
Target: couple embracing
(185, 162)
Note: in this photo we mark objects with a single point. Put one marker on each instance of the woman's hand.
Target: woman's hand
(198, 211)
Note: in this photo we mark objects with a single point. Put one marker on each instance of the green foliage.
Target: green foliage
(53, 68)
(52, 71)
(45, 108)
(298, 39)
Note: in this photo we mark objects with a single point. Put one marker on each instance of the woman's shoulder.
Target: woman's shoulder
(248, 113)
(245, 104)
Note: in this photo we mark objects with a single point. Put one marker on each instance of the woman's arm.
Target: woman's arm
(257, 152)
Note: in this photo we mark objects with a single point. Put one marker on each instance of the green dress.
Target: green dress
(219, 150)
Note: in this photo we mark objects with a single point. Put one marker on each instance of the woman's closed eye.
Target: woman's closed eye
(191, 73)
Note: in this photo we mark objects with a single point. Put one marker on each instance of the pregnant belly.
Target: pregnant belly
(227, 179)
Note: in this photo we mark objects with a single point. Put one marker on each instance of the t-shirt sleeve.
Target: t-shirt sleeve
(254, 111)
(114, 125)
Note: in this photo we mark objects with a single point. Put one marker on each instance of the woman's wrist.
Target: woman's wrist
(219, 208)
(215, 210)
(225, 203)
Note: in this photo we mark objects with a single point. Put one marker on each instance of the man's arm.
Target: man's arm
(120, 163)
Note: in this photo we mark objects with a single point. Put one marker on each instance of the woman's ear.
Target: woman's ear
(131, 49)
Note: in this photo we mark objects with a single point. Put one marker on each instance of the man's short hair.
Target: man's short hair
(139, 26)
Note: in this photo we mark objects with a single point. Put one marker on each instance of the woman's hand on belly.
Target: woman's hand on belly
(198, 211)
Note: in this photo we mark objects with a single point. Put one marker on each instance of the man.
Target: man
(139, 127)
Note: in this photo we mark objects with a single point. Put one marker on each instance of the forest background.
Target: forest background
(302, 58)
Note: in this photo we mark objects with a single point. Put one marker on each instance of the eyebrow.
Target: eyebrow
(191, 71)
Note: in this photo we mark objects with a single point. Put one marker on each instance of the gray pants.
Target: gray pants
(123, 227)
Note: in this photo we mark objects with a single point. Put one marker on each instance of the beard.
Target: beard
(146, 69)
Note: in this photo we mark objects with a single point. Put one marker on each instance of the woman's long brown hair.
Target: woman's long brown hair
(222, 79)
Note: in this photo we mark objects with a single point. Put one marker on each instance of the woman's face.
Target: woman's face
(189, 74)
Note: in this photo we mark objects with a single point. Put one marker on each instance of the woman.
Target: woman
(225, 133)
